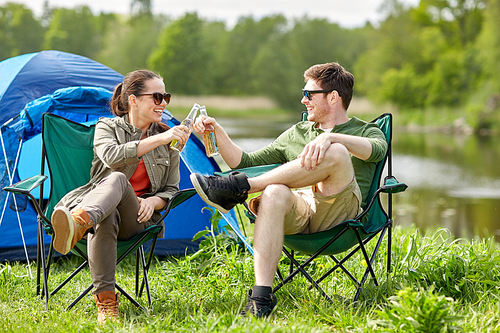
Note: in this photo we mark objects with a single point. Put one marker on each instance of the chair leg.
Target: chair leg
(300, 268)
(48, 259)
(279, 274)
(148, 263)
(137, 272)
(82, 295)
(72, 275)
(145, 277)
(365, 255)
(41, 249)
(38, 262)
(340, 263)
(130, 298)
(389, 247)
(369, 269)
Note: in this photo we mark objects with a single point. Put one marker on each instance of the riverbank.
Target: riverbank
(437, 284)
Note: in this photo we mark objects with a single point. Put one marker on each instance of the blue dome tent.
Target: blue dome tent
(79, 89)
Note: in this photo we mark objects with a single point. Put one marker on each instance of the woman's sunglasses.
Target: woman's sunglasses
(158, 97)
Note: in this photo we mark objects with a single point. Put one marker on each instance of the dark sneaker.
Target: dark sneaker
(222, 193)
(259, 306)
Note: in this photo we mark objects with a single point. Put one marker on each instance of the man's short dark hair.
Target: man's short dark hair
(335, 77)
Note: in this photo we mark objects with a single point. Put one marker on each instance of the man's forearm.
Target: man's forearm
(356, 145)
(228, 150)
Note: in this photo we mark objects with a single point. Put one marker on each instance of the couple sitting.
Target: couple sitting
(134, 174)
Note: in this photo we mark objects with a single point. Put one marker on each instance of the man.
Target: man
(322, 153)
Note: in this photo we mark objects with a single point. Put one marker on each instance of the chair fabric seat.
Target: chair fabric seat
(310, 243)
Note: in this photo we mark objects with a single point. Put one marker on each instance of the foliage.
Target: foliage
(217, 241)
(127, 44)
(181, 56)
(418, 311)
(20, 32)
(68, 29)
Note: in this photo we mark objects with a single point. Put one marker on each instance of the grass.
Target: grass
(437, 284)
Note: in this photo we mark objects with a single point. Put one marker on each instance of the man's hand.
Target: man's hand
(204, 123)
(314, 151)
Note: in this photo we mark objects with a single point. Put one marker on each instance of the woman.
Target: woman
(134, 173)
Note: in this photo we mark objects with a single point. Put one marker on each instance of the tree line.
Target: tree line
(441, 53)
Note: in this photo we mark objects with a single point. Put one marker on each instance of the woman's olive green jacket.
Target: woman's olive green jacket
(115, 149)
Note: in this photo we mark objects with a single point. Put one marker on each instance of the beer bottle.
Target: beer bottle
(188, 122)
(209, 138)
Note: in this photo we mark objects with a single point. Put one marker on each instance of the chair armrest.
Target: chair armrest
(250, 171)
(391, 185)
(175, 201)
(181, 196)
(27, 185)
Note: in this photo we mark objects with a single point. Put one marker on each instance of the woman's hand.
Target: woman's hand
(148, 206)
(204, 123)
(180, 133)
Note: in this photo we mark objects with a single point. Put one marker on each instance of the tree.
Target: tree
(20, 32)
(488, 44)
(275, 73)
(484, 104)
(72, 30)
(238, 50)
(181, 56)
(127, 44)
(393, 46)
(459, 20)
(140, 8)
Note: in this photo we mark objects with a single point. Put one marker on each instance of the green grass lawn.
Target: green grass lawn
(437, 285)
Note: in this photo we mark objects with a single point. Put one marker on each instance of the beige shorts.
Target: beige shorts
(313, 212)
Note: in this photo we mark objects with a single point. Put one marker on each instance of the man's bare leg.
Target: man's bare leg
(276, 201)
(332, 175)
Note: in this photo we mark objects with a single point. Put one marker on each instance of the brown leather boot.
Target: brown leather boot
(107, 306)
(69, 228)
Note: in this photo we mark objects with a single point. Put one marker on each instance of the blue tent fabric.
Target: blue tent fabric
(79, 89)
(29, 77)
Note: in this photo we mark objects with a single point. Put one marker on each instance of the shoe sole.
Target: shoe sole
(62, 222)
(203, 196)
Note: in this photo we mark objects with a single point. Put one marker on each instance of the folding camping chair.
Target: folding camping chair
(68, 152)
(373, 221)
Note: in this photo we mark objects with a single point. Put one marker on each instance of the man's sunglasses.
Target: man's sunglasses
(158, 97)
(308, 93)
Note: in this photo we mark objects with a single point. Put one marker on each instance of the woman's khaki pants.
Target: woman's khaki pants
(113, 207)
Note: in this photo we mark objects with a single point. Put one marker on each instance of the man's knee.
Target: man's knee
(337, 154)
(277, 196)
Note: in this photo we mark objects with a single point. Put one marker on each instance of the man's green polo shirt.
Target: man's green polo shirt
(288, 146)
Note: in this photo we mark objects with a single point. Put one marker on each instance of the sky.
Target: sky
(347, 13)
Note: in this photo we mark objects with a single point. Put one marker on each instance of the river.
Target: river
(454, 180)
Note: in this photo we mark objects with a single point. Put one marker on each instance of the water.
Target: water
(454, 180)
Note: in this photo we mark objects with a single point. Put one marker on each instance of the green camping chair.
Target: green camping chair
(351, 233)
(68, 152)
